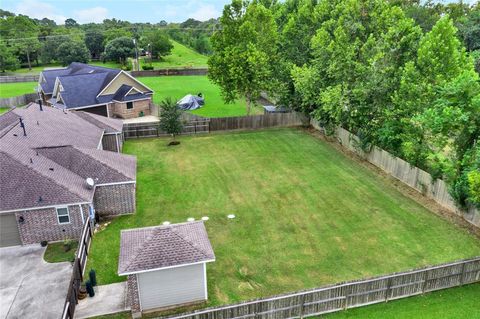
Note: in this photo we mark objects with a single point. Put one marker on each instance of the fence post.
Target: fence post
(462, 274)
(302, 305)
(425, 281)
(387, 292)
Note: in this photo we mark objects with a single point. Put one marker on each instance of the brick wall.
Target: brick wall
(120, 109)
(114, 199)
(133, 297)
(42, 224)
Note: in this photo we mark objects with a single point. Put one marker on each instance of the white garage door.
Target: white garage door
(172, 286)
(9, 235)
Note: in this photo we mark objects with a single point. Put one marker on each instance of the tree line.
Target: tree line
(400, 74)
(27, 41)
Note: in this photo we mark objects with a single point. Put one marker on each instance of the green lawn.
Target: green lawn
(179, 86)
(56, 253)
(306, 215)
(15, 89)
(181, 56)
(455, 303)
(4, 109)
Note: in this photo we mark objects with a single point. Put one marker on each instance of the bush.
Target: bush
(147, 67)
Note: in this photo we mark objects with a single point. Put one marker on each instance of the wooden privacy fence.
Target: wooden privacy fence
(78, 271)
(152, 129)
(18, 100)
(167, 72)
(254, 122)
(197, 125)
(410, 175)
(347, 295)
(19, 78)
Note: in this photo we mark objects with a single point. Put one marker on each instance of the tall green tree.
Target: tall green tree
(170, 117)
(440, 58)
(72, 51)
(158, 43)
(358, 53)
(94, 41)
(21, 34)
(120, 49)
(8, 60)
(244, 52)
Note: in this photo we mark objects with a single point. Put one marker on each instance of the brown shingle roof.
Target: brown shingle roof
(21, 185)
(54, 128)
(108, 124)
(154, 248)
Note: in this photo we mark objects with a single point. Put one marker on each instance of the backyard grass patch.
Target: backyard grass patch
(179, 86)
(16, 89)
(306, 215)
(56, 253)
(454, 303)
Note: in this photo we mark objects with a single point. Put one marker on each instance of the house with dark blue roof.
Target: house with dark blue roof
(95, 89)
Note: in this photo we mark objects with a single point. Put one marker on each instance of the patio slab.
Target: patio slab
(108, 299)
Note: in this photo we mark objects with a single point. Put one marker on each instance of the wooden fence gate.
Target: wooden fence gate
(78, 270)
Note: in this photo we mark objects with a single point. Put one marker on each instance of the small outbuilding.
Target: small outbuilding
(165, 265)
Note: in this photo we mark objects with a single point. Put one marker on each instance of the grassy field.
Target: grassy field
(306, 215)
(179, 86)
(4, 109)
(455, 303)
(56, 253)
(15, 89)
(181, 56)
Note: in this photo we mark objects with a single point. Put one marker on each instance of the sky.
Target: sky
(84, 11)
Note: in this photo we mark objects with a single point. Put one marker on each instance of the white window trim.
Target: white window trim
(68, 214)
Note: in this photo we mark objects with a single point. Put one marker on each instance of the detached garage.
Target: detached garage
(165, 265)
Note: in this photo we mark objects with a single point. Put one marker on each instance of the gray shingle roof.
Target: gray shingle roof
(82, 83)
(49, 174)
(154, 248)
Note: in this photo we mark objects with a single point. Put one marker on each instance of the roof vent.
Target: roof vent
(90, 183)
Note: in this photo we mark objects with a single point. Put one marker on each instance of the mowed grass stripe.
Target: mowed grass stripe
(306, 214)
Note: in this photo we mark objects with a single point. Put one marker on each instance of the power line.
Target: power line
(213, 29)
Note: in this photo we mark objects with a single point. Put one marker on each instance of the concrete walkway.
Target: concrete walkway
(143, 119)
(108, 299)
(29, 286)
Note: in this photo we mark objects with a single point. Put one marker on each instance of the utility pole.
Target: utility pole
(136, 54)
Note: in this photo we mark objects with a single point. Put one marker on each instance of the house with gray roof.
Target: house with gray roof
(57, 168)
(165, 265)
(95, 89)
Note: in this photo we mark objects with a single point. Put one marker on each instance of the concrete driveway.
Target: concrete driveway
(29, 286)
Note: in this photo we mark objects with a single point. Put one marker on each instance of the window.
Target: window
(62, 215)
(129, 105)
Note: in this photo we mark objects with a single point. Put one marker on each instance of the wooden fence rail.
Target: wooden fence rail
(254, 122)
(78, 271)
(18, 100)
(172, 71)
(152, 129)
(410, 175)
(346, 295)
(199, 125)
(19, 78)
